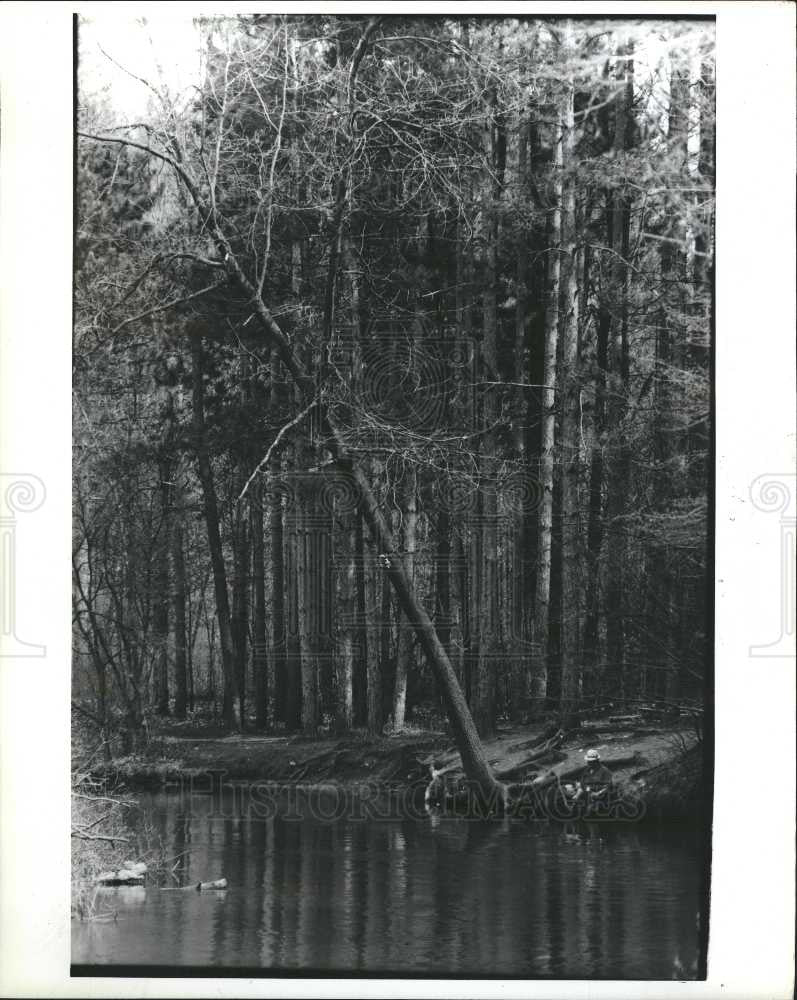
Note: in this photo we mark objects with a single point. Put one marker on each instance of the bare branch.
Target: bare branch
(177, 167)
(167, 305)
(267, 457)
(98, 836)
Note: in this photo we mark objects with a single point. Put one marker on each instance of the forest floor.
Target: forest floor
(636, 751)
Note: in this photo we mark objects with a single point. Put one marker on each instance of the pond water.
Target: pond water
(317, 883)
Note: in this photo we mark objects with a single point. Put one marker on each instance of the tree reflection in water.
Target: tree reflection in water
(441, 895)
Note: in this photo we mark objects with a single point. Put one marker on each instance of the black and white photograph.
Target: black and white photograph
(394, 501)
(392, 363)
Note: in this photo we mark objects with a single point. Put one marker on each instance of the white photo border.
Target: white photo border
(751, 947)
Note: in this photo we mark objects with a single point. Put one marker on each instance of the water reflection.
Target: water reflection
(406, 895)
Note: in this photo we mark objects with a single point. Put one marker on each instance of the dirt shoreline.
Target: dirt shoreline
(663, 765)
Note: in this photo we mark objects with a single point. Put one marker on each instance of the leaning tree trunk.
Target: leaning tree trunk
(469, 745)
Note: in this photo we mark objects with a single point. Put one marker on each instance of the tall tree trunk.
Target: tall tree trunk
(674, 353)
(240, 593)
(161, 611)
(619, 477)
(595, 521)
(362, 640)
(542, 594)
(460, 586)
(179, 616)
(371, 617)
(319, 531)
(484, 708)
(702, 271)
(443, 579)
(521, 562)
(406, 642)
(387, 670)
(279, 651)
(307, 653)
(570, 383)
(347, 631)
(259, 642)
(293, 653)
(214, 535)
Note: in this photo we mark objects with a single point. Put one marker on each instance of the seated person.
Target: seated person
(595, 781)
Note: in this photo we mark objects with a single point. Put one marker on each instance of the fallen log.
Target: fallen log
(548, 747)
(549, 733)
(546, 756)
(613, 763)
(121, 877)
(220, 883)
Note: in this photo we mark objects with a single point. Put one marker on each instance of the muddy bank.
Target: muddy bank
(662, 766)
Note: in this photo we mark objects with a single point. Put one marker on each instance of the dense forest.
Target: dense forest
(392, 362)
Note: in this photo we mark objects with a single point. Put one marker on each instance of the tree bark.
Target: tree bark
(595, 519)
(387, 643)
(179, 622)
(259, 642)
(308, 665)
(293, 654)
(279, 651)
(615, 679)
(161, 611)
(214, 534)
(570, 383)
(542, 594)
(240, 594)
(406, 642)
(443, 579)
(488, 639)
(347, 631)
(362, 639)
(372, 581)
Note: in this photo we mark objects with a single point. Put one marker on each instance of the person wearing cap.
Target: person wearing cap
(595, 781)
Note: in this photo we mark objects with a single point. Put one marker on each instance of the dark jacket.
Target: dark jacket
(596, 778)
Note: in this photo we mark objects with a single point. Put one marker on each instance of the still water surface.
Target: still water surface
(448, 896)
